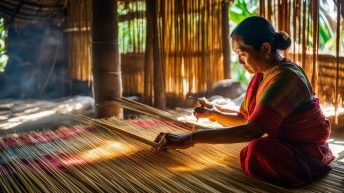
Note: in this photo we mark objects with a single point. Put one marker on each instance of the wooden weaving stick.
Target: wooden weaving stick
(157, 113)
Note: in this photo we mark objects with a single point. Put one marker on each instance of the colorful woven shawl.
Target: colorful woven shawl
(282, 103)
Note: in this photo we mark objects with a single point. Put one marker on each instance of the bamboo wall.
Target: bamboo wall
(192, 45)
(296, 17)
(132, 46)
(190, 32)
(132, 73)
(79, 33)
(190, 42)
(190, 38)
(327, 79)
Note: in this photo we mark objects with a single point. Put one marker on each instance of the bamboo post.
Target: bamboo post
(148, 53)
(269, 11)
(304, 28)
(315, 16)
(339, 8)
(159, 82)
(106, 67)
(225, 41)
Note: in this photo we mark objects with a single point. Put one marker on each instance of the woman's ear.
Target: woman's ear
(266, 49)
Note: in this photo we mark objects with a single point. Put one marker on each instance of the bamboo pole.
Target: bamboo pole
(148, 53)
(225, 41)
(303, 50)
(106, 67)
(339, 8)
(315, 16)
(159, 84)
(262, 8)
(269, 11)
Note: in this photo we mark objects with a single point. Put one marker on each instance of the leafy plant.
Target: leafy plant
(327, 27)
(131, 29)
(241, 9)
(325, 30)
(238, 11)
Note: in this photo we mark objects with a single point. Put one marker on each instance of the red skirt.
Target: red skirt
(281, 163)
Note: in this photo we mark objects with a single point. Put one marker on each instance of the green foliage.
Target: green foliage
(129, 31)
(3, 55)
(238, 73)
(327, 29)
(330, 44)
(327, 32)
(238, 11)
(242, 9)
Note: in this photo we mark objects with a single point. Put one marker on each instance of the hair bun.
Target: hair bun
(282, 40)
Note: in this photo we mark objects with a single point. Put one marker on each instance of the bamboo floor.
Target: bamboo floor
(88, 158)
(98, 159)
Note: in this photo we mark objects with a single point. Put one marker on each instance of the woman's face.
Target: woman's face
(252, 60)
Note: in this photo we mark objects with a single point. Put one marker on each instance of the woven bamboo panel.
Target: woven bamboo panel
(327, 78)
(79, 33)
(84, 159)
(191, 35)
(190, 38)
(192, 45)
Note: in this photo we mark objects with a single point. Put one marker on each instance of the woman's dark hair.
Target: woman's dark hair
(255, 30)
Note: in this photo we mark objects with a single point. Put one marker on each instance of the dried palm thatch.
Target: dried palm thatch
(20, 13)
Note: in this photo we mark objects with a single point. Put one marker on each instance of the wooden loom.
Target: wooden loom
(85, 159)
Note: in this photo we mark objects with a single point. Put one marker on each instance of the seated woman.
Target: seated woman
(280, 115)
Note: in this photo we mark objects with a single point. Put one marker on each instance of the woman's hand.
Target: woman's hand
(203, 102)
(173, 141)
(202, 112)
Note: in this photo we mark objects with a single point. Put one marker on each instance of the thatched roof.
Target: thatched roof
(19, 12)
(51, 12)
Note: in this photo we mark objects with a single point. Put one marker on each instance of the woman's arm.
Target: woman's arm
(229, 119)
(237, 134)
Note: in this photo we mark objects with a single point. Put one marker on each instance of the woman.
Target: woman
(280, 116)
